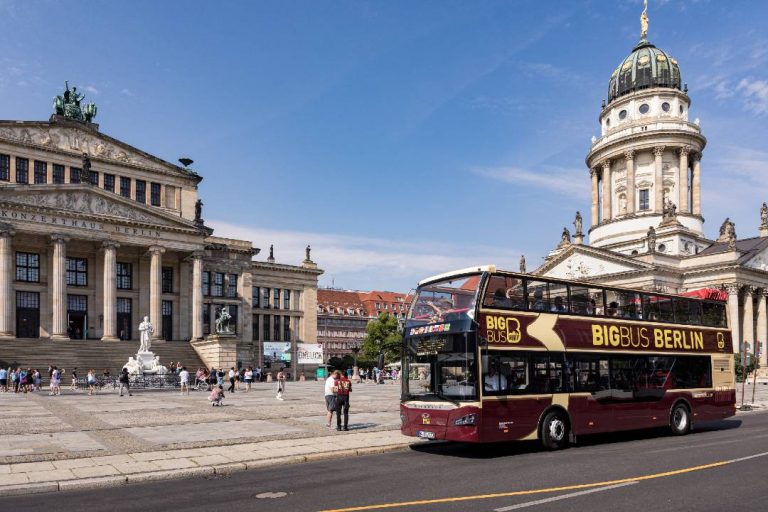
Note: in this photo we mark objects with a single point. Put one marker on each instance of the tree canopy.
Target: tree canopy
(383, 337)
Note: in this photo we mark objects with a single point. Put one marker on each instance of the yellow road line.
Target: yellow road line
(542, 491)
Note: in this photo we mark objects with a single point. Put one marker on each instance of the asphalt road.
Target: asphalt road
(721, 466)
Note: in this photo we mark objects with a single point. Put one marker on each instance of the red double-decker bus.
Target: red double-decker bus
(495, 356)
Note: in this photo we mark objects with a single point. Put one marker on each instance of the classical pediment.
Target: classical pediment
(71, 138)
(89, 202)
(759, 261)
(580, 262)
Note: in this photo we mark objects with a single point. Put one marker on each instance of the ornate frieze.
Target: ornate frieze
(82, 202)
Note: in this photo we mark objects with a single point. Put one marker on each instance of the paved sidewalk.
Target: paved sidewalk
(76, 441)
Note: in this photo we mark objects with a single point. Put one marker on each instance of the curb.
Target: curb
(203, 471)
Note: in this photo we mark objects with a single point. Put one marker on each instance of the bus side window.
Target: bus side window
(505, 293)
(538, 296)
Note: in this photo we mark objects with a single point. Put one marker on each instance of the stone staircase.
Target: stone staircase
(85, 354)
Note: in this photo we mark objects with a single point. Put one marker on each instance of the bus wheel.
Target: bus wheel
(680, 420)
(554, 431)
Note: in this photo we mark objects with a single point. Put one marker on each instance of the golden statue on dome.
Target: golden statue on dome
(644, 21)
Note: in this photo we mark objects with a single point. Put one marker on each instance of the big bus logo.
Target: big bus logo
(502, 329)
(720, 341)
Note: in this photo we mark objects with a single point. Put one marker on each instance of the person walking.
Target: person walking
(125, 382)
(331, 388)
(248, 378)
(4, 379)
(232, 378)
(184, 380)
(91, 379)
(74, 380)
(55, 387)
(280, 384)
(344, 388)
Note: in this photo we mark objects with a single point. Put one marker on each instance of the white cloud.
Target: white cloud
(368, 263)
(92, 89)
(572, 182)
(755, 93)
(127, 92)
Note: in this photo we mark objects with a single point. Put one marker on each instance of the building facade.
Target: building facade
(647, 223)
(96, 234)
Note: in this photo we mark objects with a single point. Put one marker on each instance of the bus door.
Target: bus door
(590, 405)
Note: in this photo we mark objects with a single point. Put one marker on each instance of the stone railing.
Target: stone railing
(640, 128)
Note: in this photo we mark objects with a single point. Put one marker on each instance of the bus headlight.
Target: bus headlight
(466, 420)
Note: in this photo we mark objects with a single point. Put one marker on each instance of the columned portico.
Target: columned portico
(606, 190)
(595, 198)
(733, 314)
(197, 296)
(630, 161)
(748, 328)
(155, 290)
(110, 289)
(59, 288)
(696, 184)
(683, 188)
(658, 180)
(762, 326)
(6, 284)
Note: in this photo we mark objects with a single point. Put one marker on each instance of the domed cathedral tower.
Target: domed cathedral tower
(646, 166)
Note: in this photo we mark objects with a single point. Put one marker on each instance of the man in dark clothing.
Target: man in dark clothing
(125, 382)
(342, 401)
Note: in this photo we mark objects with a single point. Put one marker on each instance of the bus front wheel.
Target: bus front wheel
(554, 431)
(680, 420)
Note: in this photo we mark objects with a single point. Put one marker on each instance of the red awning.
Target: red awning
(707, 293)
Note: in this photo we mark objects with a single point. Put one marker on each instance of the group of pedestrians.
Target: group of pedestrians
(337, 390)
(20, 380)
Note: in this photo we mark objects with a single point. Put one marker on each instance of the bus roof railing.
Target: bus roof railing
(456, 273)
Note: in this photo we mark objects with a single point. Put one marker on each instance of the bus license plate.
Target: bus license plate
(425, 434)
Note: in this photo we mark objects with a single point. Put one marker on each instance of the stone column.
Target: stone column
(595, 198)
(606, 190)
(6, 284)
(155, 291)
(696, 184)
(733, 314)
(59, 288)
(748, 327)
(658, 152)
(110, 291)
(197, 296)
(630, 158)
(762, 327)
(682, 204)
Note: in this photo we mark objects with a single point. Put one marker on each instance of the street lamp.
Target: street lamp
(355, 369)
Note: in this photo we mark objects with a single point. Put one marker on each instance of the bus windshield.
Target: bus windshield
(440, 367)
(450, 303)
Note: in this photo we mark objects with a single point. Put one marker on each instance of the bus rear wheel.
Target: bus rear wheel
(554, 431)
(680, 420)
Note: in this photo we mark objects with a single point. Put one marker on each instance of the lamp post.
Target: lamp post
(355, 369)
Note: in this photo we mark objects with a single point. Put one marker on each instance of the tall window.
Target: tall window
(276, 333)
(265, 298)
(141, 191)
(232, 286)
(125, 187)
(217, 290)
(206, 319)
(255, 328)
(124, 276)
(266, 328)
(5, 167)
(256, 296)
(93, 177)
(155, 194)
(41, 172)
(276, 298)
(74, 175)
(58, 174)
(109, 182)
(167, 279)
(286, 328)
(22, 170)
(286, 300)
(644, 205)
(206, 283)
(28, 267)
(77, 272)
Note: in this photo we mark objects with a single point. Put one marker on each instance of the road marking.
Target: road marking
(547, 490)
(564, 497)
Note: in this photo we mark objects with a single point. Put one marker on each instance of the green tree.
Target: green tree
(383, 340)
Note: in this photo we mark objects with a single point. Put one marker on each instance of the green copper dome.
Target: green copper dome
(646, 67)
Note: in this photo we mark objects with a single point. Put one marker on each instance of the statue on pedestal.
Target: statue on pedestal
(199, 211)
(223, 321)
(764, 215)
(85, 169)
(578, 224)
(651, 236)
(146, 329)
(522, 263)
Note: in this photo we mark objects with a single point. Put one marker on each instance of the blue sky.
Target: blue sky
(400, 138)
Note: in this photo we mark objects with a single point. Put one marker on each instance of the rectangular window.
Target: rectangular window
(589, 373)
(265, 299)
(255, 294)
(141, 191)
(125, 187)
(170, 196)
(206, 284)
(276, 298)
(286, 300)
(41, 172)
(286, 328)
(622, 304)
(232, 286)
(644, 205)
(28, 267)
(74, 175)
(266, 328)
(255, 328)
(276, 324)
(5, 167)
(58, 174)
(504, 293)
(77, 303)
(167, 279)
(77, 272)
(124, 276)
(22, 170)
(217, 290)
(154, 195)
(586, 301)
(93, 177)
(109, 182)
(206, 319)
(233, 320)
(123, 305)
